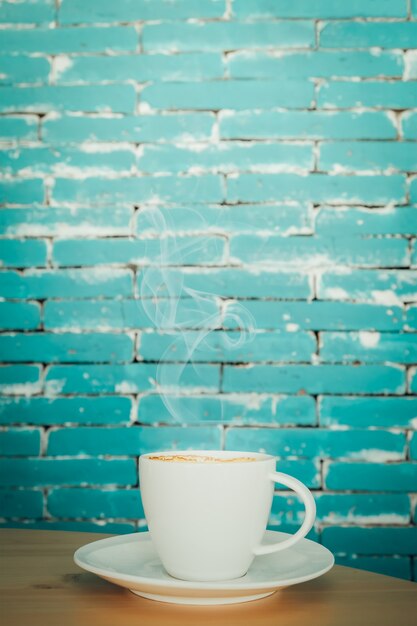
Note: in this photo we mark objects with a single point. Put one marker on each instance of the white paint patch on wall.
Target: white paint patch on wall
(369, 339)
(386, 297)
(336, 293)
(410, 65)
(60, 65)
(126, 387)
(292, 328)
(374, 455)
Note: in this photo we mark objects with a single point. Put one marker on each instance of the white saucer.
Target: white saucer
(131, 561)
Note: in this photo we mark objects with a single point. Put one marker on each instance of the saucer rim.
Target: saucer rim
(174, 583)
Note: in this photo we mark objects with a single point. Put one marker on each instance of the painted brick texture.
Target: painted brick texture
(278, 142)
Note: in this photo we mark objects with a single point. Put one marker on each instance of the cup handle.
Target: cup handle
(310, 507)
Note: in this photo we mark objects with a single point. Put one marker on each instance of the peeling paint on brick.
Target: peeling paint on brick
(284, 135)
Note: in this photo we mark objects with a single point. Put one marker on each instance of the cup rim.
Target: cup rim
(259, 457)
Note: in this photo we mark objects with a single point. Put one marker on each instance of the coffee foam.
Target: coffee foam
(199, 458)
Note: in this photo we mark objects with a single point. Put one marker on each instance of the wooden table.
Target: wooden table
(41, 586)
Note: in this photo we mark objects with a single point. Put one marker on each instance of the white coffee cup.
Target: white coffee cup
(207, 519)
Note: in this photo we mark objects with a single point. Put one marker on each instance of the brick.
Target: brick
(344, 95)
(146, 189)
(66, 348)
(343, 251)
(88, 98)
(227, 36)
(77, 410)
(177, 409)
(105, 11)
(85, 527)
(44, 472)
(320, 64)
(368, 347)
(128, 378)
(225, 157)
(79, 283)
(280, 218)
(363, 221)
(368, 35)
(53, 160)
(19, 315)
(94, 441)
(18, 128)
(20, 379)
(344, 508)
(234, 409)
(321, 9)
(306, 125)
(305, 470)
(86, 69)
(399, 567)
(60, 40)
(413, 191)
(131, 441)
(237, 282)
(21, 503)
(368, 285)
(413, 447)
(409, 125)
(366, 412)
(21, 191)
(234, 95)
(224, 347)
(353, 444)
(368, 379)
(362, 508)
(316, 315)
(371, 476)
(51, 221)
(32, 12)
(144, 128)
(23, 69)
(87, 503)
(20, 442)
(22, 253)
(381, 540)
(316, 188)
(125, 314)
(177, 438)
(368, 156)
(192, 250)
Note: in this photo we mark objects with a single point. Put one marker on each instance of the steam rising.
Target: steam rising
(176, 308)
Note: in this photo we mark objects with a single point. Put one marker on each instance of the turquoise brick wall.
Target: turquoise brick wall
(278, 140)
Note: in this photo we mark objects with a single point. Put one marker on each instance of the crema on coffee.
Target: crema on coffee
(197, 458)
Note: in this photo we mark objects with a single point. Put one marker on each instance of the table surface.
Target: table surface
(41, 586)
